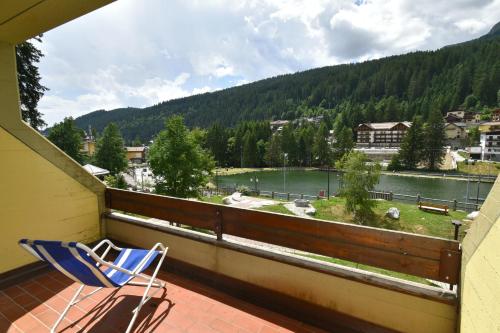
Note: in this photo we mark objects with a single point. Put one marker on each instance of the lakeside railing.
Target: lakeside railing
(427, 257)
(445, 174)
(454, 205)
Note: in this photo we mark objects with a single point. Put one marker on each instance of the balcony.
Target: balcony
(226, 269)
(233, 274)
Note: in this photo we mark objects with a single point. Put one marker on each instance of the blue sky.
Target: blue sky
(139, 53)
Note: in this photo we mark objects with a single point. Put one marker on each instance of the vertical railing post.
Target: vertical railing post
(218, 224)
(272, 195)
(454, 204)
(288, 196)
(418, 198)
(456, 224)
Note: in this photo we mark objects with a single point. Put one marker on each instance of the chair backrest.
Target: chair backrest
(70, 259)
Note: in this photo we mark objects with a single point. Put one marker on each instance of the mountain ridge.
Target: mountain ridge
(416, 80)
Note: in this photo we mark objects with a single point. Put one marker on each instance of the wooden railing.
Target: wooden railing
(423, 256)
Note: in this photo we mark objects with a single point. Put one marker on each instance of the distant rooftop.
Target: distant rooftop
(135, 149)
(386, 125)
(95, 170)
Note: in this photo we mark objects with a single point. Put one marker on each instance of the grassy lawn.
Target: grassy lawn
(217, 199)
(482, 168)
(279, 208)
(411, 218)
(237, 171)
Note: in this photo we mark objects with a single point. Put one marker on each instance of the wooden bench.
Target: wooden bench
(433, 207)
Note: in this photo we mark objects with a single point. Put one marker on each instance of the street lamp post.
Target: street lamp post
(328, 186)
(142, 180)
(216, 182)
(255, 182)
(284, 172)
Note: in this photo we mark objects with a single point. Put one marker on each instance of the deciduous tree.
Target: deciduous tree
(179, 164)
(68, 138)
(359, 178)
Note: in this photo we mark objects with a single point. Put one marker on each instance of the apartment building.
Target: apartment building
(389, 134)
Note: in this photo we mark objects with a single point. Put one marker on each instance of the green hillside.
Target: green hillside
(392, 88)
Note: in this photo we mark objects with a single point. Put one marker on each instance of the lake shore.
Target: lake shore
(237, 171)
(432, 175)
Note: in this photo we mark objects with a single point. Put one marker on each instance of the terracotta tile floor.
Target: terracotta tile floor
(186, 306)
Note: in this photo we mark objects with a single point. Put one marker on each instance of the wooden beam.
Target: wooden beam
(397, 251)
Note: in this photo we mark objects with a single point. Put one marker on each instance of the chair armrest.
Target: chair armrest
(106, 241)
(149, 254)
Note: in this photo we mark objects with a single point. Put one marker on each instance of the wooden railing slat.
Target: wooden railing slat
(402, 252)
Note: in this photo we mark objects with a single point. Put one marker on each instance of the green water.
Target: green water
(312, 182)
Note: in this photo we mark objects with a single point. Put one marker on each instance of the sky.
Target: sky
(142, 52)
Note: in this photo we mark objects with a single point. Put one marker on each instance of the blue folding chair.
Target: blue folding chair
(81, 264)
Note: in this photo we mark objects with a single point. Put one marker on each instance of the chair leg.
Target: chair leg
(70, 304)
(145, 296)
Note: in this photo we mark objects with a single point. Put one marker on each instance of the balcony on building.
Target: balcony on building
(227, 269)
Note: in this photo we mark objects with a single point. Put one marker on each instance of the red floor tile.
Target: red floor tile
(27, 323)
(185, 306)
(13, 291)
(222, 326)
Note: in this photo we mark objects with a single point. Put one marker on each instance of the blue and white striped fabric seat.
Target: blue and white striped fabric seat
(76, 264)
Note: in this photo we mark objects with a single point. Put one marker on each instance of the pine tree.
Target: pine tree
(289, 143)
(395, 163)
(28, 77)
(250, 155)
(412, 145)
(217, 143)
(274, 154)
(110, 152)
(434, 140)
(321, 148)
(344, 143)
(302, 150)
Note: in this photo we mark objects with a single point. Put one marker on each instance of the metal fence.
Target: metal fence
(453, 204)
(474, 204)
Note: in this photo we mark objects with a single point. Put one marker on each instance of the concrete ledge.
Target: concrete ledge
(378, 280)
(367, 297)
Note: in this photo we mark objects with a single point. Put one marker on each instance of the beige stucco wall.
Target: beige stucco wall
(377, 305)
(480, 304)
(39, 201)
(44, 194)
(452, 132)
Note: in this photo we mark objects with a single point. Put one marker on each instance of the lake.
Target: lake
(311, 182)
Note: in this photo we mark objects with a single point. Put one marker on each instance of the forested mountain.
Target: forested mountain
(388, 89)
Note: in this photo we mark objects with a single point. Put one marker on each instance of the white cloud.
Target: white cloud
(132, 53)
(55, 108)
(105, 92)
(156, 90)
